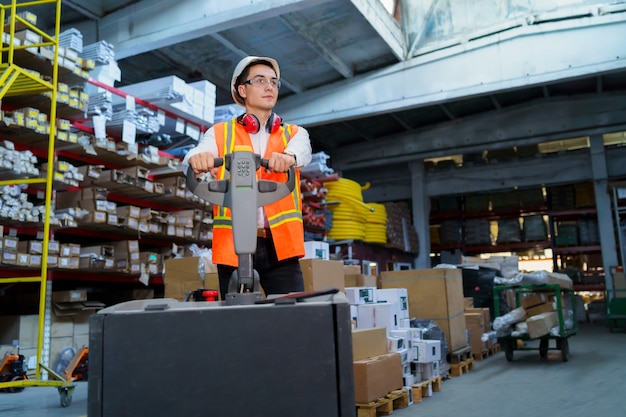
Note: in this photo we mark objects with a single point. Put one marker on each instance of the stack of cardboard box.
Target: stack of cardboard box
(376, 371)
(435, 294)
(478, 322)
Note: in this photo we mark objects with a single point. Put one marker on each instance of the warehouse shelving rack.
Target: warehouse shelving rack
(16, 81)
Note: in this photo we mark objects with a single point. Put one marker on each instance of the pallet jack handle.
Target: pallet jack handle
(242, 193)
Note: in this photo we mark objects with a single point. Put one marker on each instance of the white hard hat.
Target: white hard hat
(241, 66)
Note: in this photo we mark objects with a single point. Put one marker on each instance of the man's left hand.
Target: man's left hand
(281, 162)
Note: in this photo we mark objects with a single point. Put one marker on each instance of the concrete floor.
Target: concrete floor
(592, 383)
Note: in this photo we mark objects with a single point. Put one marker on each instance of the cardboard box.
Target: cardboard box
(469, 302)
(477, 321)
(352, 270)
(188, 274)
(23, 329)
(31, 246)
(320, 274)
(533, 299)
(81, 323)
(9, 258)
(486, 317)
(360, 280)
(436, 294)
(62, 326)
(376, 377)
(72, 296)
(541, 308)
(367, 343)
(10, 244)
(541, 324)
(477, 346)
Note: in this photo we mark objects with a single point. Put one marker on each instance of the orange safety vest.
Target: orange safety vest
(284, 216)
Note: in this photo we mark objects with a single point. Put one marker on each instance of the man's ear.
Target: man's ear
(241, 90)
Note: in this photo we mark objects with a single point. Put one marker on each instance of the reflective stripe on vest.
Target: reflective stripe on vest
(284, 216)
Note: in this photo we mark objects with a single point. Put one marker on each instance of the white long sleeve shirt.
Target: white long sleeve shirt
(299, 145)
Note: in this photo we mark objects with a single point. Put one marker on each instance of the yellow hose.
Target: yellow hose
(376, 226)
(352, 218)
(350, 214)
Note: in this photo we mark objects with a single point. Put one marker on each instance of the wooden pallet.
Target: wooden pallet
(458, 369)
(384, 406)
(487, 353)
(426, 388)
(460, 355)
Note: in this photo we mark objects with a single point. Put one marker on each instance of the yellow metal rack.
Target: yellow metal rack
(17, 81)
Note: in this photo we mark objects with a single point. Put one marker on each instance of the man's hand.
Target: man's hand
(202, 163)
(281, 162)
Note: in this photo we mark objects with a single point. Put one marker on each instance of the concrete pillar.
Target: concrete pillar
(606, 226)
(421, 213)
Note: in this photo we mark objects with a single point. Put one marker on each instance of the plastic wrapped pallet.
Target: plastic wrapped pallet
(509, 231)
(535, 228)
(477, 232)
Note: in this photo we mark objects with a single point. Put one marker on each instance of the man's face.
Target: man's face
(261, 96)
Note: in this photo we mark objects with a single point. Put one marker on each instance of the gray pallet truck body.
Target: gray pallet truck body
(291, 356)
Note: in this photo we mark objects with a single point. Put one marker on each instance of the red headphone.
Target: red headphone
(252, 125)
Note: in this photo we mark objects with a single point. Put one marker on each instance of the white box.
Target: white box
(395, 295)
(404, 354)
(408, 380)
(395, 343)
(316, 250)
(361, 295)
(405, 334)
(406, 368)
(409, 389)
(416, 333)
(427, 350)
(405, 322)
(429, 370)
(354, 316)
(379, 315)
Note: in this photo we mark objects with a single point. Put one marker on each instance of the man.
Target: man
(280, 233)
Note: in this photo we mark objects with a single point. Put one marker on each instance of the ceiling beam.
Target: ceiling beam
(494, 101)
(153, 24)
(296, 88)
(90, 9)
(300, 27)
(417, 26)
(400, 121)
(500, 62)
(449, 114)
(534, 122)
(365, 136)
(384, 24)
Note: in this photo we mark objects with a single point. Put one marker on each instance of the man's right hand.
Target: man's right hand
(202, 163)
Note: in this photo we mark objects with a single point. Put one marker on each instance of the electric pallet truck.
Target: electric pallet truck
(243, 356)
(242, 194)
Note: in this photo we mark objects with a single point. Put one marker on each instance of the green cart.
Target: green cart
(564, 299)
